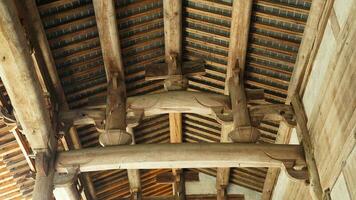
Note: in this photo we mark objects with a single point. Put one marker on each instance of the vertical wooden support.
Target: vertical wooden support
(85, 176)
(316, 190)
(115, 127)
(173, 54)
(134, 175)
(65, 187)
(240, 26)
(175, 126)
(243, 130)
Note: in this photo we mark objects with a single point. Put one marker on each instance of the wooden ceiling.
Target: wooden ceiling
(275, 34)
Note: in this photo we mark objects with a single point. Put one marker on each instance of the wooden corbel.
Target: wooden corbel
(295, 169)
(273, 112)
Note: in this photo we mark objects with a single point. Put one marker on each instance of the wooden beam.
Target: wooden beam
(18, 75)
(196, 197)
(239, 31)
(243, 129)
(134, 175)
(115, 123)
(172, 19)
(169, 177)
(44, 57)
(185, 155)
(215, 105)
(316, 190)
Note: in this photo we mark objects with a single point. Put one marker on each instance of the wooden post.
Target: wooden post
(65, 188)
(134, 175)
(316, 190)
(243, 130)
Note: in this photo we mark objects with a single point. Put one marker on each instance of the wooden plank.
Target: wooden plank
(184, 155)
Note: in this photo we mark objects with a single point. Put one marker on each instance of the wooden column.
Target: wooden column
(240, 25)
(316, 190)
(18, 75)
(134, 175)
(65, 187)
(86, 178)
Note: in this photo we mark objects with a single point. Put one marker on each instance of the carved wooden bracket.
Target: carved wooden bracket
(295, 171)
(41, 162)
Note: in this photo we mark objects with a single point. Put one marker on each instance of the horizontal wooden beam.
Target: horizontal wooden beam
(185, 155)
(196, 197)
(204, 103)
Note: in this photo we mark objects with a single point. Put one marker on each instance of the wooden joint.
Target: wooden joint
(245, 134)
(115, 137)
(41, 163)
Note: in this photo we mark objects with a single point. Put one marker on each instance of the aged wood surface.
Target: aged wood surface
(185, 155)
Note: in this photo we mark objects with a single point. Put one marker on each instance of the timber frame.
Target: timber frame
(237, 108)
